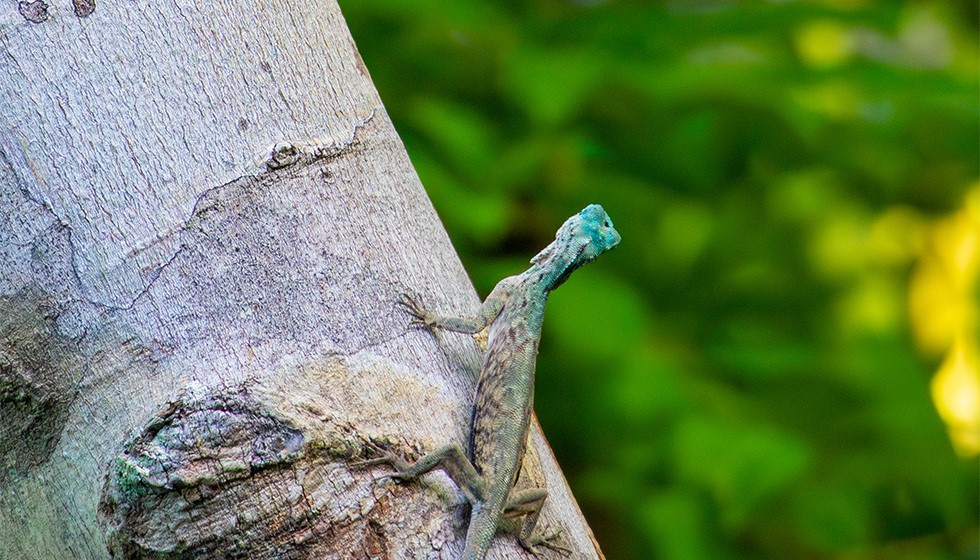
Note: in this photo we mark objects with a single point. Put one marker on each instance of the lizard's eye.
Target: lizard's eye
(606, 224)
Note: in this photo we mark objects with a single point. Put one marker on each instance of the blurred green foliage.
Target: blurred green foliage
(739, 379)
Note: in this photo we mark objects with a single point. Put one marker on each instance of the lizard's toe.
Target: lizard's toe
(532, 543)
(410, 303)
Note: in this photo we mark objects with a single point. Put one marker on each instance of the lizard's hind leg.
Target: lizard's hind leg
(528, 503)
(450, 458)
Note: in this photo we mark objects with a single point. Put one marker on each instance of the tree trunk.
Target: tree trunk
(206, 219)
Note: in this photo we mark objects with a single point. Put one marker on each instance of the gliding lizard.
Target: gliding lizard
(513, 311)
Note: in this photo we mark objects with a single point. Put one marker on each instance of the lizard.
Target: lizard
(512, 314)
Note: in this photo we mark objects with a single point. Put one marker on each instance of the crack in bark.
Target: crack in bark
(284, 154)
(369, 345)
(309, 153)
(7, 155)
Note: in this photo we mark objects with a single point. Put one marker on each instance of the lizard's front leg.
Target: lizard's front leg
(469, 325)
(528, 503)
(450, 458)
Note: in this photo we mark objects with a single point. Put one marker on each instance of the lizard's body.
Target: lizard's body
(514, 312)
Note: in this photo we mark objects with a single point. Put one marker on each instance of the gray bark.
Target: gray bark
(206, 218)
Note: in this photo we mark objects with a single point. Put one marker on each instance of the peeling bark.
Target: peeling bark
(206, 219)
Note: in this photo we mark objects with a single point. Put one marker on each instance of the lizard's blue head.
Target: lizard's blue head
(580, 240)
(596, 230)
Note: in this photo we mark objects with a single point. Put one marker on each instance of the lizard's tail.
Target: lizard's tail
(483, 525)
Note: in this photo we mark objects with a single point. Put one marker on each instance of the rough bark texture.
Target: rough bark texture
(206, 219)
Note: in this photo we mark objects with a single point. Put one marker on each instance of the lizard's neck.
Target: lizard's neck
(551, 271)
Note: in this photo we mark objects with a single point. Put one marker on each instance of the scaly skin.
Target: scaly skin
(513, 311)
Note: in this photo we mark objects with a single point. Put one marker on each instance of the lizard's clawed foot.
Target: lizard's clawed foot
(532, 543)
(422, 318)
(384, 457)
